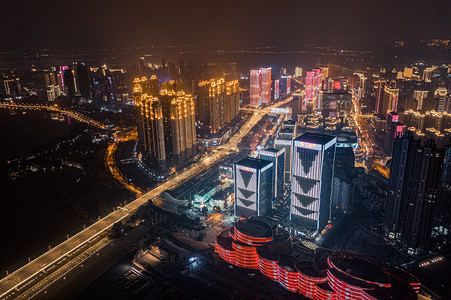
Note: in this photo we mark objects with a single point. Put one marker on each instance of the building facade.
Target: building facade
(277, 157)
(253, 187)
(260, 86)
(311, 180)
(413, 185)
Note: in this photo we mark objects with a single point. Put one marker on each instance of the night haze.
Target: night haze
(112, 24)
(225, 149)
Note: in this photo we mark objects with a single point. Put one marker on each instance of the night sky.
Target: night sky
(87, 24)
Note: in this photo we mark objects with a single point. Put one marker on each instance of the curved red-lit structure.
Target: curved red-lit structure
(351, 275)
(268, 263)
(324, 292)
(288, 275)
(258, 243)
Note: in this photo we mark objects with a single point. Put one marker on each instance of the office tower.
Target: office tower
(313, 81)
(284, 140)
(298, 72)
(52, 87)
(427, 74)
(392, 130)
(69, 83)
(253, 187)
(441, 95)
(420, 96)
(260, 86)
(166, 125)
(276, 89)
(12, 87)
(83, 80)
(298, 105)
(342, 193)
(413, 184)
(277, 157)
(141, 65)
(285, 84)
(62, 69)
(311, 180)
(442, 215)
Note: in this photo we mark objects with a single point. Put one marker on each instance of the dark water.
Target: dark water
(41, 208)
(22, 133)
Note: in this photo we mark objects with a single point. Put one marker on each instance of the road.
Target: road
(71, 113)
(370, 153)
(22, 275)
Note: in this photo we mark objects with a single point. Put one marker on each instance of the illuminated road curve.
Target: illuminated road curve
(76, 115)
(37, 265)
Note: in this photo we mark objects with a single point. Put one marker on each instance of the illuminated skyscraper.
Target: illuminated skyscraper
(260, 86)
(413, 186)
(12, 87)
(166, 125)
(427, 74)
(420, 96)
(218, 103)
(313, 81)
(298, 72)
(393, 129)
(150, 125)
(232, 100)
(298, 105)
(441, 94)
(52, 86)
(284, 140)
(389, 101)
(311, 181)
(277, 157)
(362, 84)
(253, 187)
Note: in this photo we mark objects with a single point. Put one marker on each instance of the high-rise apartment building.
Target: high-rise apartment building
(277, 157)
(218, 103)
(427, 74)
(311, 180)
(413, 185)
(298, 105)
(389, 101)
(260, 86)
(420, 96)
(12, 87)
(441, 94)
(253, 187)
(232, 100)
(166, 125)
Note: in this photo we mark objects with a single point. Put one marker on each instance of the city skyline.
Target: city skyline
(225, 150)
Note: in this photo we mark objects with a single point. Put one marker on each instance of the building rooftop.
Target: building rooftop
(321, 139)
(271, 151)
(253, 163)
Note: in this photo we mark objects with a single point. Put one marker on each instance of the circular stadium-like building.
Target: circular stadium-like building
(258, 243)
